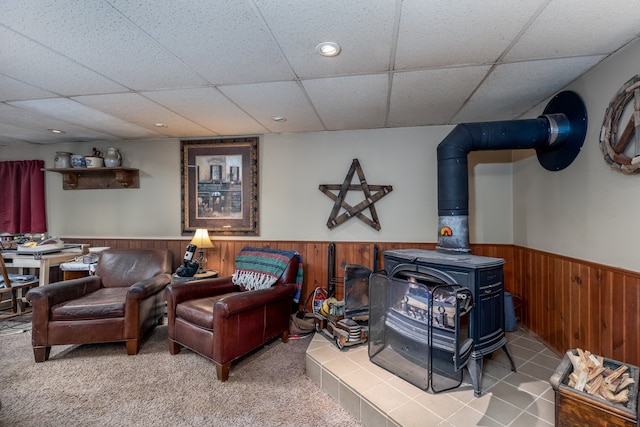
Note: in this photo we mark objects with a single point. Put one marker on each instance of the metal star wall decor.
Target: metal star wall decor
(350, 211)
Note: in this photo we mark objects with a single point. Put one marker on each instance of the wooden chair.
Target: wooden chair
(16, 289)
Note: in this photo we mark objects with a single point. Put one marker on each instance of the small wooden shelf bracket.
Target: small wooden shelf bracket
(98, 178)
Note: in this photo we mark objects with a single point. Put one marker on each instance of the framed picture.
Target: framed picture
(220, 186)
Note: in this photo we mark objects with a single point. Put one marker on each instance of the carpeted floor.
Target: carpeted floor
(99, 385)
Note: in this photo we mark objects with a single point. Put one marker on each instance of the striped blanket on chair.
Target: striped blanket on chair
(260, 268)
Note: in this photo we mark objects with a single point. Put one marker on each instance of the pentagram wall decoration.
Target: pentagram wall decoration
(615, 146)
(379, 191)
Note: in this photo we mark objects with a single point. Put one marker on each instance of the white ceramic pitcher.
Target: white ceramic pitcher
(113, 158)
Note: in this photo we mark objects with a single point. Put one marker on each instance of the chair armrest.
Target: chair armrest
(148, 287)
(238, 302)
(179, 292)
(59, 292)
(42, 298)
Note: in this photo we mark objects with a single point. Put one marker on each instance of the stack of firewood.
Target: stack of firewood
(591, 376)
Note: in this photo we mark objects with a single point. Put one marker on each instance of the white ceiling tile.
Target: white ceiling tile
(93, 33)
(350, 102)
(225, 41)
(9, 133)
(39, 122)
(578, 27)
(208, 108)
(13, 90)
(501, 95)
(363, 29)
(71, 111)
(144, 113)
(263, 101)
(431, 97)
(444, 32)
(38, 66)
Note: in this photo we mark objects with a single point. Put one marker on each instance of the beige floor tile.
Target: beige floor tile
(551, 353)
(441, 404)
(405, 387)
(331, 385)
(500, 357)
(359, 356)
(463, 394)
(549, 395)
(546, 361)
(544, 409)
(378, 371)
(521, 352)
(313, 371)
(372, 416)
(468, 416)
(496, 370)
(529, 343)
(361, 380)
(536, 371)
(528, 420)
(385, 397)
(342, 366)
(526, 383)
(412, 414)
(496, 408)
(324, 354)
(511, 394)
(350, 400)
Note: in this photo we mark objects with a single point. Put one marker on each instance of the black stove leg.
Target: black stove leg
(475, 371)
(475, 367)
(506, 350)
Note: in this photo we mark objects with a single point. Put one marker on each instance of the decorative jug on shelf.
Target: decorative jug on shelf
(62, 160)
(113, 158)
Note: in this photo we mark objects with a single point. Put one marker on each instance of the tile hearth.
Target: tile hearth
(378, 398)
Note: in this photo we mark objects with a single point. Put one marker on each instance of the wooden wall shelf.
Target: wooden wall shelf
(98, 178)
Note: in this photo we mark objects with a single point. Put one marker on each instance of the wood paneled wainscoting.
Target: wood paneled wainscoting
(571, 303)
(567, 302)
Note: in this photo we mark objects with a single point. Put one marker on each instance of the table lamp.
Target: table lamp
(201, 240)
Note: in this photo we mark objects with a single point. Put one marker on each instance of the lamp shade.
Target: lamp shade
(201, 239)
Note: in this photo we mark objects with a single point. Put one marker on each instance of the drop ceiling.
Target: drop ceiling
(106, 70)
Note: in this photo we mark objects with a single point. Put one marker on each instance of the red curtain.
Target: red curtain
(22, 204)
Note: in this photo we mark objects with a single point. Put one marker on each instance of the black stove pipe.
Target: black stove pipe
(556, 136)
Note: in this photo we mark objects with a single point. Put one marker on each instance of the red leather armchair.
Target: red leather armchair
(121, 302)
(217, 320)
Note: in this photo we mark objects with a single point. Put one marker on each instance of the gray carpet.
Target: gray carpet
(99, 385)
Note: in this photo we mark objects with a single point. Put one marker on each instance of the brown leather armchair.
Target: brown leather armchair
(216, 319)
(121, 302)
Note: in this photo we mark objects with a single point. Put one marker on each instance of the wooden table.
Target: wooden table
(12, 259)
(207, 274)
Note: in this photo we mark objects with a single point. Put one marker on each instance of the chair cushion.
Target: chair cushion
(198, 311)
(104, 303)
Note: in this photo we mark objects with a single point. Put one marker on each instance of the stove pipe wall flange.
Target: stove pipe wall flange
(557, 136)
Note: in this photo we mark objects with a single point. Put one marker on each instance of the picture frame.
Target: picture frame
(220, 186)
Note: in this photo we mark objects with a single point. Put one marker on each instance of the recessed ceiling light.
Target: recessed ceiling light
(279, 118)
(58, 131)
(328, 49)
(160, 125)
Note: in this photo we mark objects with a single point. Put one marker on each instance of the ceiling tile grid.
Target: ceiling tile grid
(112, 69)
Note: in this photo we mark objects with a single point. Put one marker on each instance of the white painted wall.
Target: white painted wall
(292, 166)
(588, 211)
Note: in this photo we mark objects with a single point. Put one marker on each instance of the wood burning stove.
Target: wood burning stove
(421, 326)
(481, 276)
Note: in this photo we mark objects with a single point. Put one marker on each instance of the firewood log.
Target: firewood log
(611, 378)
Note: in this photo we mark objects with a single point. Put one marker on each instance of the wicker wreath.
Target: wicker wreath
(614, 145)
